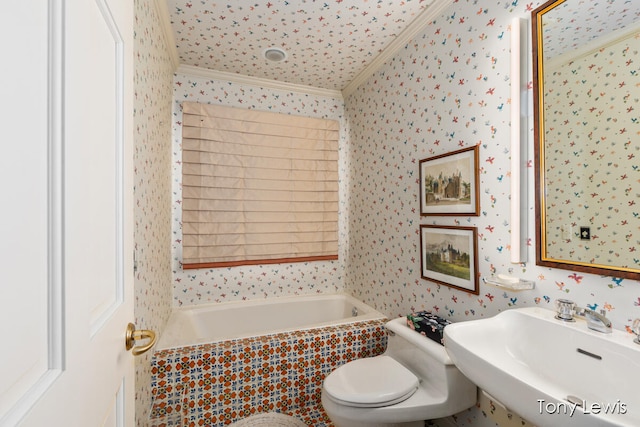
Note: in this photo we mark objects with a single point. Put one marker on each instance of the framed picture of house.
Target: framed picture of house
(449, 183)
(448, 256)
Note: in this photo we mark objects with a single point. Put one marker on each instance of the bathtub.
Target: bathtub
(209, 323)
(218, 363)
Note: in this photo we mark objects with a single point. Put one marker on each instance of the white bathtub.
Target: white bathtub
(209, 323)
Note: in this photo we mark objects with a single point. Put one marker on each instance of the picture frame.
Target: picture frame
(449, 256)
(449, 183)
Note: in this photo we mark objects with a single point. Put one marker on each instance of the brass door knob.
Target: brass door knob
(132, 335)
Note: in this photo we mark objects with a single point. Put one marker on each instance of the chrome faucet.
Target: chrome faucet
(636, 330)
(596, 321)
(566, 309)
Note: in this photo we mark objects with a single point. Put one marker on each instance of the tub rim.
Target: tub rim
(172, 339)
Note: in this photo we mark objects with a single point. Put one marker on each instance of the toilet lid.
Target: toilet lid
(373, 381)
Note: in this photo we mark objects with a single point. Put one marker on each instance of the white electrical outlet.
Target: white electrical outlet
(566, 232)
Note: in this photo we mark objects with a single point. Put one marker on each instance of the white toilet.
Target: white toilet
(414, 380)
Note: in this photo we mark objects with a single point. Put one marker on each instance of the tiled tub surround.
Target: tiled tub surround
(215, 384)
(218, 383)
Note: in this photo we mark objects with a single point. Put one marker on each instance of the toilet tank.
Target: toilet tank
(427, 359)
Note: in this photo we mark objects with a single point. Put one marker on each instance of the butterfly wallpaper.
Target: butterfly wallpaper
(591, 123)
(445, 90)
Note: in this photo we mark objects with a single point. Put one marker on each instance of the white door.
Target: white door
(66, 240)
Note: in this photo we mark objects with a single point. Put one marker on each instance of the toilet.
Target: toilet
(414, 380)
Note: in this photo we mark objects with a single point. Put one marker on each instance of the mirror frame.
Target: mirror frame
(539, 156)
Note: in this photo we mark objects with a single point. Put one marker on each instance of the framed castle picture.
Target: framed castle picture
(449, 183)
(448, 256)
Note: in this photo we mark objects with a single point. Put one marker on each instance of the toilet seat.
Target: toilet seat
(371, 382)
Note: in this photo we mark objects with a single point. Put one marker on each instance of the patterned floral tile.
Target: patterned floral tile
(216, 384)
(312, 415)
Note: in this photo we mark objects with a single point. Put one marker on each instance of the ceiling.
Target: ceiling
(331, 45)
(573, 24)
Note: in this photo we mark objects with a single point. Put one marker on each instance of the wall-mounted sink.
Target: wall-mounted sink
(550, 372)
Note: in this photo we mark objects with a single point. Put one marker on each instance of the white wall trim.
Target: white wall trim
(256, 81)
(167, 31)
(408, 34)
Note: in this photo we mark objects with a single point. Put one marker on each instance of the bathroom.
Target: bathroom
(446, 89)
(415, 106)
(394, 119)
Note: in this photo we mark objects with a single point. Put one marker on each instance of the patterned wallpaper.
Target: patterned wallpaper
(153, 75)
(448, 89)
(327, 42)
(260, 281)
(575, 23)
(591, 150)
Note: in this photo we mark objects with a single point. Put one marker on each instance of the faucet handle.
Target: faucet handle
(565, 309)
(635, 327)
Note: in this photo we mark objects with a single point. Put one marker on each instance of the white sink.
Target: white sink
(537, 366)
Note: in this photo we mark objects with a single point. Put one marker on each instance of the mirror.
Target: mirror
(586, 81)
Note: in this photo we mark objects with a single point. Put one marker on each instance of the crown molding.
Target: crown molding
(256, 81)
(167, 31)
(413, 29)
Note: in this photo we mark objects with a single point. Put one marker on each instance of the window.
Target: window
(257, 187)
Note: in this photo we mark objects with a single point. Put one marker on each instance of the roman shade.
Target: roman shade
(257, 187)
